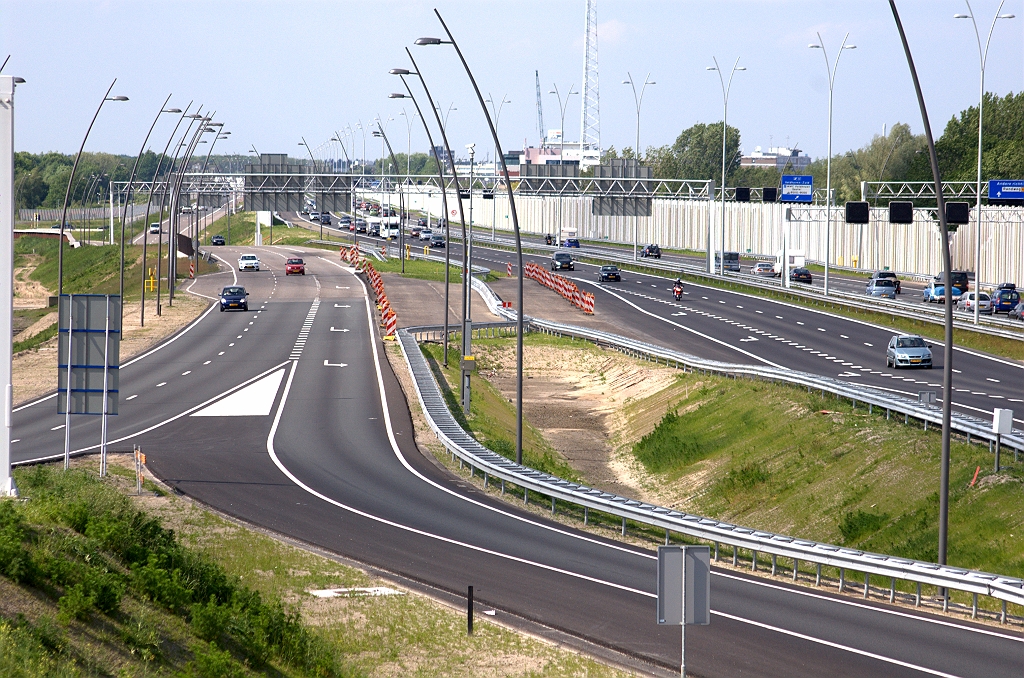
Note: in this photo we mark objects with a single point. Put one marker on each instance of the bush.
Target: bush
(76, 603)
(857, 524)
(210, 662)
(210, 620)
(161, 586)
(106, 590)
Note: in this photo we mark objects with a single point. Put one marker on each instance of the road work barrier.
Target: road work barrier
(388, 317)
(797, 554)
(578, 298)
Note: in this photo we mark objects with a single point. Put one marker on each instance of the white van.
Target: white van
(387, 232)
(796, 260)
(154, 229)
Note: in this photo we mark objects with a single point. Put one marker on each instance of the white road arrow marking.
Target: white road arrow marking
(341, 288)
(749, 339)
(342, 306)
(342, 330)
(330, 364)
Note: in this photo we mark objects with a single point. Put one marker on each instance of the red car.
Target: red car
(295, 266)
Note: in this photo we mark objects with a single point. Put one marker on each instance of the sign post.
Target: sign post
(684, 590)
(88, 351)
(1002, 424)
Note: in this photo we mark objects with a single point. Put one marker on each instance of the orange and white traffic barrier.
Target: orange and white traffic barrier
(508, 269)
(581, 300)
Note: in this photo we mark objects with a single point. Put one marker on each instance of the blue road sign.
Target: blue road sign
(1006, 189)
(797, 188)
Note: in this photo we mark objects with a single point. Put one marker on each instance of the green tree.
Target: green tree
(696, 154)
(1002, 141)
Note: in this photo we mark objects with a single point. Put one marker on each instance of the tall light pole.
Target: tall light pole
(496, 114)
(830, 69)
(458, 189)
(71, 179)
(128, 199)
(725, 127)
(561, 149)
(311, 159)
(379, 132)
(515, 227)
(7, 86)
(982, 59)
(467, 272)
(337, 137)
(408, 142)
(947, 349)
(638, 100)
(383, 126)
(168, 198)
(402, 72)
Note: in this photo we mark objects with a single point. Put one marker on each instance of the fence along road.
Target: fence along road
(1006, 589)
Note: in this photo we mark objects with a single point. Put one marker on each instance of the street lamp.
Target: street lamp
(402, 72)
(725, 126)
(496, 113)
(379, 132)
(408, 141)
(830, 70)
(561, 150)
(128, 199)
(982, 58)
(947, 349)
(515, 226)
(67, 193)
(348, 161)
(383, 185)
(638, 100)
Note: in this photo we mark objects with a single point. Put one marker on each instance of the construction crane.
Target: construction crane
(540, 111)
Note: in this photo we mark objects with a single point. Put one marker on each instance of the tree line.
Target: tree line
(899, 155)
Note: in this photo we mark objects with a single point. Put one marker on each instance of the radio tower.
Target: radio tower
(590, 118)
(540, 111)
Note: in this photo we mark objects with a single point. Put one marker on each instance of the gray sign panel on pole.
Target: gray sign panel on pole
(84, 334)
(684, 571)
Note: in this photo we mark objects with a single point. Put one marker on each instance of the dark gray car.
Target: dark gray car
(562, 260)
(882, 287)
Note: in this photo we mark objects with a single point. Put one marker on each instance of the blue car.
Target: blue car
(234, 297)
(935, 293)
(571, 242)
(1005, 299)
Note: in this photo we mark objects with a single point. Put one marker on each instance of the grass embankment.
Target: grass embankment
(492, 418)
(92, 585)
(428, 270)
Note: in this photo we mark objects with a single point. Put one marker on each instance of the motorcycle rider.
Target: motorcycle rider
(677, 289)
(547, 239)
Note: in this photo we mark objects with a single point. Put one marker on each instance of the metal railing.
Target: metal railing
(462, 445)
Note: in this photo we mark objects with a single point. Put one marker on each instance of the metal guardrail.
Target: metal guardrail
(462, 445)
(1006, 329)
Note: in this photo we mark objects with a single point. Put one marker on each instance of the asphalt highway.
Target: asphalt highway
(289, 417)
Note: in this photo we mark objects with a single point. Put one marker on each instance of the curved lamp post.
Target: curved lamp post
(71, 179)
(466, 331)
(402, 72)
(128, 199)
(830, 69)
(982, 58)
(351, 197)
(726, 88)
(167, 199)
(947, 349)
(149, 202)
(379, 132)
(515, 225)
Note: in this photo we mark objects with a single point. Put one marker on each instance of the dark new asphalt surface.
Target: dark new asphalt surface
(333, 463)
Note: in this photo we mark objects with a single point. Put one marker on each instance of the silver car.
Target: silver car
(966, 302)
(881, 287)
(908, 350)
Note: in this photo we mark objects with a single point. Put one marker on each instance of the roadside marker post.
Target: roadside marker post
(508, 269)
(684, 590)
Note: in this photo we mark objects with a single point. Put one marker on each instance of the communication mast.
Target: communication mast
(590, 114)
(540, 111)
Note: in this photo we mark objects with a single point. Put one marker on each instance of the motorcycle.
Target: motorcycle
(677, 292)
(547, 239)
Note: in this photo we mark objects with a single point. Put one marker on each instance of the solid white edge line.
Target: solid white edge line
(409, 467)
(683, 327)
(828, 643)
(390, 523)
(159, 424)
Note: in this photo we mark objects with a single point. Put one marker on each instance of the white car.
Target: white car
(154, 228)
(425, 234)
(248, 262)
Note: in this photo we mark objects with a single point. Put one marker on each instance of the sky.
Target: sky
(278, 71)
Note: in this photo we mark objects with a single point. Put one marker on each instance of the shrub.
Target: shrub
(106, 590)
(76, 603)
(210, 662)
(857, 524)
(161, 586)
(210, 620)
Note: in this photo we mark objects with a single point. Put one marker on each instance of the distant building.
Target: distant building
(441, 153)
(777, 158)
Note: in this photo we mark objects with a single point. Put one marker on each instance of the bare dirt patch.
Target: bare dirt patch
(29, 293)
(579, 399)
